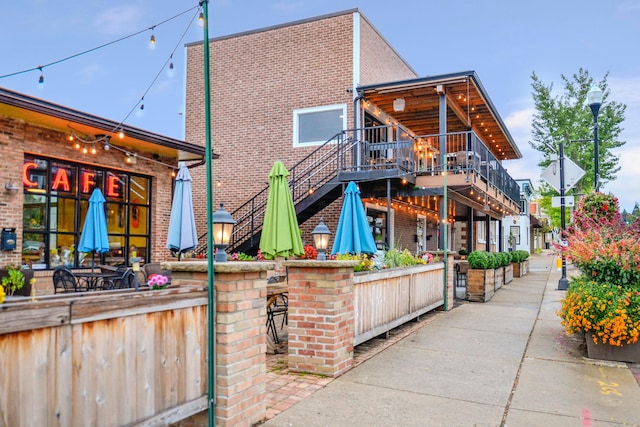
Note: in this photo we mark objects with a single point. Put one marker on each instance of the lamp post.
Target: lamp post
(321, 238)
(594, 99)
(563, 283)
(222, 228)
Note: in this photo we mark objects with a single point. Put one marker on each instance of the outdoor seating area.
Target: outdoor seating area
(105, 278)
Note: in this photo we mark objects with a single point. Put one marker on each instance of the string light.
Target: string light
(152, 40)
(201, 20)
(41, 79)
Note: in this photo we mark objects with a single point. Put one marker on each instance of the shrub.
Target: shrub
(463, 252)
(608, 312)
(478, 260)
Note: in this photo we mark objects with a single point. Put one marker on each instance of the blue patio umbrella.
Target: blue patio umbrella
(182, 225)
(353, 234)
(94, 237)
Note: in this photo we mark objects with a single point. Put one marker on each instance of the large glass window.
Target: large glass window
(315, 126)
(56, 200)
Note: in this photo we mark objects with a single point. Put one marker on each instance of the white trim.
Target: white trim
(299, 111)
(356, 53)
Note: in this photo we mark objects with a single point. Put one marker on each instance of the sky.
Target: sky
(504, 41)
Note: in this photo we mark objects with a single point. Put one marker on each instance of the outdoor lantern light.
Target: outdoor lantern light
(321, 238)
(222, 229)
(594, 99)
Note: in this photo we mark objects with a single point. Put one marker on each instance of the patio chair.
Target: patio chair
(64, 281)
(277, 305)
(124, 278)
(154, 268)
(462, 268)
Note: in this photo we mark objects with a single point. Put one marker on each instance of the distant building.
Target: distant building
(520, 230)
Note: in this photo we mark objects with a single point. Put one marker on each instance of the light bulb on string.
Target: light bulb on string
(84, 150)
(106, 143)
(170, 70)
(201, 20)
(121, 134)
(93, 150)
(152, 39)
(41, 79)
(140, 110)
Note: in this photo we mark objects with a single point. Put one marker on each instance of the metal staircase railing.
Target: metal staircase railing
(311, 173)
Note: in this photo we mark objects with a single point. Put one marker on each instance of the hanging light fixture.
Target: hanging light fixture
(152, 39)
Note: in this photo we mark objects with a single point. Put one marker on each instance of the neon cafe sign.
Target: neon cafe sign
(62, 181)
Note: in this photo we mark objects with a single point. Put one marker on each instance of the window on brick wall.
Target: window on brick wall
(56, 200)
(315, 126)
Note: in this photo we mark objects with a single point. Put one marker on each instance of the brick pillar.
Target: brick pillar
(321, 318)
(241, 345)
(450, 279)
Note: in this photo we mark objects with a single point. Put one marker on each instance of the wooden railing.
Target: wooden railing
(386, 299)
(109, 359)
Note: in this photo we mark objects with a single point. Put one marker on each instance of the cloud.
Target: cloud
(119, 20)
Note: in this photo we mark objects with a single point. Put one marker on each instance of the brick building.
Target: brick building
(53, 158)
(331, 99)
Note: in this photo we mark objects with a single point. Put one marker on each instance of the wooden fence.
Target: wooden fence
(386, 299)
(110, 360)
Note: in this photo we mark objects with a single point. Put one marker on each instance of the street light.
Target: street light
(594, 99)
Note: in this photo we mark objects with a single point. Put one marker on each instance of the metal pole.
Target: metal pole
(211, 312)
(596, 154)
(445, 221)
(563, 283)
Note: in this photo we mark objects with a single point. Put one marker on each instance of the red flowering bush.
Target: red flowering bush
(309, 252)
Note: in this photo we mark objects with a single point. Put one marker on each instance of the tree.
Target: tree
(567, 118)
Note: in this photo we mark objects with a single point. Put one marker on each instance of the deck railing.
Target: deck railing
(386, 299)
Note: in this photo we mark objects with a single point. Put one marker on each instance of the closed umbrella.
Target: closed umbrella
(353, 234)
(280, 231)
(94, 237)
(182, 225)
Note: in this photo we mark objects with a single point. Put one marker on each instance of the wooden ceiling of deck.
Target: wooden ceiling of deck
(466, 110)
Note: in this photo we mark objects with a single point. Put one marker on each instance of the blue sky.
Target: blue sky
(504, 41)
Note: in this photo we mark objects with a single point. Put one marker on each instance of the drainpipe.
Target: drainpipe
(356, 126)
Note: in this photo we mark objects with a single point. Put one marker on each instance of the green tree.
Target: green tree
(566, 117)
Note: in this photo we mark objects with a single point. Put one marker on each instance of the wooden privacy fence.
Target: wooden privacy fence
(112, 359)
(386, 299)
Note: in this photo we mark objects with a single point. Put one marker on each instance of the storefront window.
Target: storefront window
(56, 200)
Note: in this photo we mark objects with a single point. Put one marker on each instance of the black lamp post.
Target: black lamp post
(594, 99)
(222, 228)
(321, 238)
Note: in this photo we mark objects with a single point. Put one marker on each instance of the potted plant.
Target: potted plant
(481, 276)
(603, 301)
(12, 279)
(519, 262)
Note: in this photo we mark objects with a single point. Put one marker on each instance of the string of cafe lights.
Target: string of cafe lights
(87, 143)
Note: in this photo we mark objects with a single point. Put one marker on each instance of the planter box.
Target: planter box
(508, 274)
(627, 353)
(480, 285)
(520, 268)
(499, 277)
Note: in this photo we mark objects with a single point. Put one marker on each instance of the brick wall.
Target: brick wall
(257, 80)
(18, 137)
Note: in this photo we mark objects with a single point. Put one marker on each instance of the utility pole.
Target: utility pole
(563, 283)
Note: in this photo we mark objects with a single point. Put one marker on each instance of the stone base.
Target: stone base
(627, 353)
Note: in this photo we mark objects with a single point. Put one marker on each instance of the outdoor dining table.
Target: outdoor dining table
(96, 280)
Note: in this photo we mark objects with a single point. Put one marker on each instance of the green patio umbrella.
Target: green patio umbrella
(280, 232)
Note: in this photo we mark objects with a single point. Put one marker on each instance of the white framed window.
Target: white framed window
(481, 230)
(314, 126)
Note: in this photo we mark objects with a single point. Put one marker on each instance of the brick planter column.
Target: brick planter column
(241, 335)
(321, 317)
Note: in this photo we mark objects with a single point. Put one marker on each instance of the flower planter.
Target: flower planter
(480, 285)
(499, 277)
(520, 268)
(626, 353)
(508, 274)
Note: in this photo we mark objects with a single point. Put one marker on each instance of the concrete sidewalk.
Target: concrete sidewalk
(507, 362)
